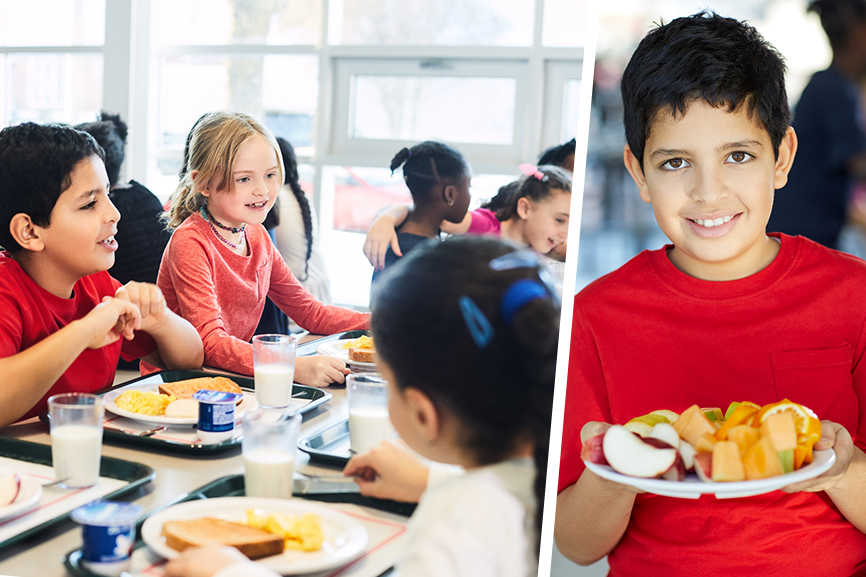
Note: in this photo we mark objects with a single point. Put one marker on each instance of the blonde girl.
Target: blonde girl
(220, 264)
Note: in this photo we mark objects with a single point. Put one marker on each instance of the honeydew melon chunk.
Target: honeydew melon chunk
(713, 413)
(787, 459)
(762, 461)
(727, 462)
(644, 424)
(671, 416)
(731, 408)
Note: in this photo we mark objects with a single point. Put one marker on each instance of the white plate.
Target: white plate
(335, 349)
(691, 487)
(345, 537)
(248, 403)
(29, 493)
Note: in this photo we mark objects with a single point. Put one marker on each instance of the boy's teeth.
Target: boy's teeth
(109, 240)
(710, 223)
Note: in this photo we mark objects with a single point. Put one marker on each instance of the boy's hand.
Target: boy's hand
(381, 235)
(591, 429)
(149, 300)
(319, 371)
(388, 472)
(833, 436)
(110, 320)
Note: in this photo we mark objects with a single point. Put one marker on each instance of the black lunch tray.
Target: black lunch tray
(315, 395)
(233, 486)
(330, 445)
(136, 474)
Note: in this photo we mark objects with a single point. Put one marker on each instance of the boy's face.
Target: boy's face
(711, 176)
(80, 237)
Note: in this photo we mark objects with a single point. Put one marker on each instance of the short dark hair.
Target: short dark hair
(839, 18)
(428, 164)
(110, 132)
(721, 61)
(556, 155)
(36, 165)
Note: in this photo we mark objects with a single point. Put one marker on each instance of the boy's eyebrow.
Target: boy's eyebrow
(669, 152)
(87, 194)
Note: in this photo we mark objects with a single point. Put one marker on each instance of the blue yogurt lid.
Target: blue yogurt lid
(107, 514)
(206, 396)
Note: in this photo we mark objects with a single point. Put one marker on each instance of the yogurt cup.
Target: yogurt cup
(108, 533)
(216, 415)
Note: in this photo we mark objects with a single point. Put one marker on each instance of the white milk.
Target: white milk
(76, 451)
(368, 426)
(268, 473)
(274, 385)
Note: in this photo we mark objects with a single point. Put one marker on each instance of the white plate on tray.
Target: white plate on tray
(29, 493)
(248, 403)
(691, 487)
(346, 538)
(335, 349)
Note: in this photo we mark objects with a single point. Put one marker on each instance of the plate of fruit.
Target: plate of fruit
(748, 450)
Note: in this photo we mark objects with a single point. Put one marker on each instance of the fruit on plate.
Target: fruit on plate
(10, 484)
(630, 454)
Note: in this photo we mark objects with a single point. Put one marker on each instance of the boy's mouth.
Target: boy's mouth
(711, 222)
(109, 243)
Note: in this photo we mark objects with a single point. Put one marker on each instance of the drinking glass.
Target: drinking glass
(76, 438)
(274, 368)
(369, 423)
(268, 447)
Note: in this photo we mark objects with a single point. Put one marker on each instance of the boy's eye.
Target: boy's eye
(674, 164)
(738, 157)
(89, 205)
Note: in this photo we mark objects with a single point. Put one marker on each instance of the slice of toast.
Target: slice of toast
(362, 355)
(186, 389)
(252, 542)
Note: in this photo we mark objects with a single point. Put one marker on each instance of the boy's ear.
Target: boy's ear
(787, 152)
(524, 207)
(423, 413)
(633, 166)
(25, 233)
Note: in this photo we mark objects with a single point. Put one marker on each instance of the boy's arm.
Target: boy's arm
(383, 233)
(29, 374)
(178, 344)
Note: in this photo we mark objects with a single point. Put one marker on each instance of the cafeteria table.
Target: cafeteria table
(176, 474)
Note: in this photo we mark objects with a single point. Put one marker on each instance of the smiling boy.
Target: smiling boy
(725, 313)
(63, 320)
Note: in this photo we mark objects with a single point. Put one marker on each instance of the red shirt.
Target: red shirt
(648, 336)
(29, 314)
(222, 294)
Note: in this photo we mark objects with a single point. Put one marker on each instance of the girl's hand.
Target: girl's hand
(388, 472)
(149, 300)
(319, 371)
(833, 436)
(203, 561)
(381, 235)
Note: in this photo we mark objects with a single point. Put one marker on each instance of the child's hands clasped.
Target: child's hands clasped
(833, 436)
(319, 371)
(111, 320)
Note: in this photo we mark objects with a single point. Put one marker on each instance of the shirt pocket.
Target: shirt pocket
(819, 379)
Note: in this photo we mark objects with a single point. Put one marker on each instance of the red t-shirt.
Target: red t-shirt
(222, 294)
(648, 336)
(29, 314)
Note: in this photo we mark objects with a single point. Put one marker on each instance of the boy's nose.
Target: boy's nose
(708, 186)
(112, 214)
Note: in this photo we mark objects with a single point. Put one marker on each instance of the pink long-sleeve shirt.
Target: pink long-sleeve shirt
(222, 294)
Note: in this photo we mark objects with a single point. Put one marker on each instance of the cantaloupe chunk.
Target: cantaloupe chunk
(762, 461)
(781, 430)
(705, 443)
(684, 418)
(697, 425)
(727, 462)
(744, 436)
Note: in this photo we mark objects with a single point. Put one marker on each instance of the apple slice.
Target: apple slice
(592, 451)
(704, 467)
(10, 483)
(629, 454)
(687, 452)
(666, 433)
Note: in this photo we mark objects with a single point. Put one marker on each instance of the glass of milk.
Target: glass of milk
(268, 447)
(556, 270)
(76, 438)
(274, 368)
(369, 423)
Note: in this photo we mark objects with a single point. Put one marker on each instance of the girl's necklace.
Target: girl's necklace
(210, 220)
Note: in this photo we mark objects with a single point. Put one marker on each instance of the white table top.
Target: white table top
(176, 474)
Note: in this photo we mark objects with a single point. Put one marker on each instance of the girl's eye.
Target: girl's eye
(675, 164)
(271, 174)
(738, 157)
(243, 179)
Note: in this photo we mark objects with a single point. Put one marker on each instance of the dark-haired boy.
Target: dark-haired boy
(63, 320)
(725, 313)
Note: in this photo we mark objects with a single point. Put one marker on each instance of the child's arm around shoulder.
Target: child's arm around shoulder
(29, 374)
(461, 227)
(178, 344)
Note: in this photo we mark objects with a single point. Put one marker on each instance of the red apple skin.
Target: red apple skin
(677, 472)
(658, 443)
(592, 450)
(704, 466)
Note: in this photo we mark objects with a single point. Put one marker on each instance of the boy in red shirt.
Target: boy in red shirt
(63, 320)
(725, 313)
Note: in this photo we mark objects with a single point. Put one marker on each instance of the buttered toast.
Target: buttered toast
(253, 542)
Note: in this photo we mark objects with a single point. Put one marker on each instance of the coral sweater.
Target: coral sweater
(649, 337)
(222, 293)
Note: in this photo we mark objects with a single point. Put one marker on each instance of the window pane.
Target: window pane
(564, 22)
(60, 22)
(450, 108)
(279, 90)
(53, 87)
(572, 105)
(236, 21)
(443, 22)
(361, 193)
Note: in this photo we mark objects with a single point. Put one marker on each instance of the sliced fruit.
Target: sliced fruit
(744, 436)
(740, 415)
(781, 430)
(687, 452)
(592, 451)
(704, 466)
(730, 410)
(713, 413)
(697, 425)
(727, 463)
(787, 458)
(807, 424)
(669, 415)
(762, 461)
(9, 486)
(685, 417)
(705, 443)
(666, 433)
(644, 424)
(629, 454)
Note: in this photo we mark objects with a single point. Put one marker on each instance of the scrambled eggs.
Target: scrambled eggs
(143, 402)
(302, 534)
(362, 342)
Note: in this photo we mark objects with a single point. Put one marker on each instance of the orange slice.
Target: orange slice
(742, 414)
(806, 422)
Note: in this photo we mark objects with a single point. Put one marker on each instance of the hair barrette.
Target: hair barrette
(518, 295)
(532, 170)
(478, 325)
(516, 259)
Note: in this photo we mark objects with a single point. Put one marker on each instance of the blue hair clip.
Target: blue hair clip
(518, 294)
(478, 325)
(516, 259)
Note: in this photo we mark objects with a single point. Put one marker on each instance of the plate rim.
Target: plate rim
(691, 489)
(324, 349)
(16, 507)
(359, 537)
(162, 420)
